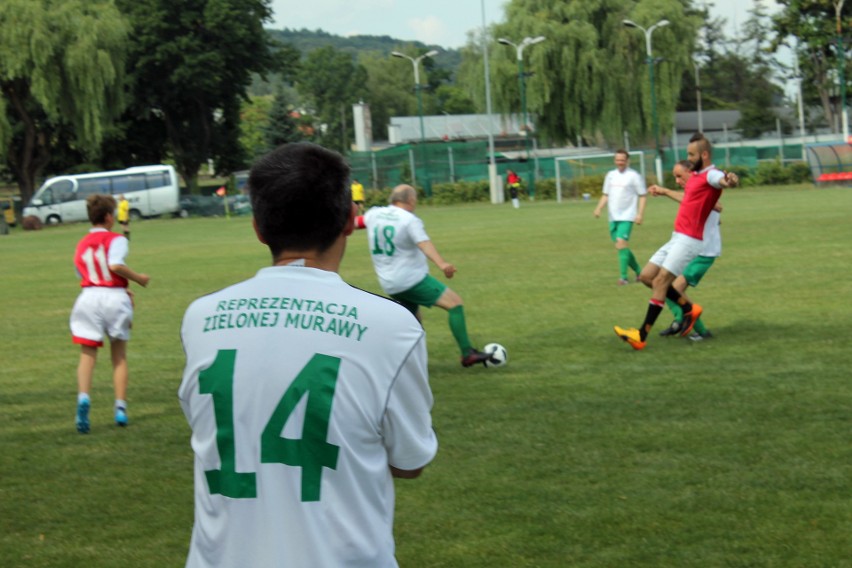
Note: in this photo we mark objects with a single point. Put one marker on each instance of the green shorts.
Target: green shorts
(696, 269)
(620, 230)
(424, 293)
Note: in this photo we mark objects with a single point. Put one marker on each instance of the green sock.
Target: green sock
(676, 310)
(632, 262)
(623, 262)
(699, 326)
(459, 328)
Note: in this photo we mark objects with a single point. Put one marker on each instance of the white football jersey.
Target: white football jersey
(712, 235)
(623, 190)
(393, 234)
(301, 390)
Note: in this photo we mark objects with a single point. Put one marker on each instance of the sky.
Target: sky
(445, 23)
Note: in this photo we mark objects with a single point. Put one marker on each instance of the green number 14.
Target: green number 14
(317, 381)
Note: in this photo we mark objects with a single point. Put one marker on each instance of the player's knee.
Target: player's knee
(449, 299)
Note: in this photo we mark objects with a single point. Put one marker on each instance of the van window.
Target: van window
(87, 187)
(126, 184)
(157, 179)
(62, 190)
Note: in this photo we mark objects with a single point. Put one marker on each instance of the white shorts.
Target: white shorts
(677, 253)
(100, 310)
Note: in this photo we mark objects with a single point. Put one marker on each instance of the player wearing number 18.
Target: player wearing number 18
(399, 248)
(305, 395)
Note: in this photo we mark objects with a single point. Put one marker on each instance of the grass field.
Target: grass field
(581, 452)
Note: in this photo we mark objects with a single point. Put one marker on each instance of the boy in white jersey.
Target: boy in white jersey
(399, 247)
(702, 191)
(698, 267)
(306, 396)
(624, 194)
(104, 306)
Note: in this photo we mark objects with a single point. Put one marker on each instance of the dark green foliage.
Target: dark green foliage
(601, 88)
(192, 62)
(282, 127)
(61, 79)
(774, 173)
(376, 197)
(306, 41)
(331, 82)
(810, 28)
(461, 192)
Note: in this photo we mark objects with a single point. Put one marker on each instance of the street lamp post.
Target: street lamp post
(698, 97)
(841, 68)
(415, 62)
(496, 196)
(650, 59)
(519, 50)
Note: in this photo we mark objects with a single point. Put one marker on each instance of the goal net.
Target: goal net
(570, 169)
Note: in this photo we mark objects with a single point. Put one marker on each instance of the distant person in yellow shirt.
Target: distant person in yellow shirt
(124, 215)
(358, 195)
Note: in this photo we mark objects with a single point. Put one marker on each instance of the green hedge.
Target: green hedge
(765, 174)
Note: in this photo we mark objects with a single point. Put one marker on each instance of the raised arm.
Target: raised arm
(657, 190)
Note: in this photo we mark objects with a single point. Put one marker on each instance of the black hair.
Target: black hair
(300, 198)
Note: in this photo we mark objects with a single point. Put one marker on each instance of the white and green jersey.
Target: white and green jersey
(301, 391)
(712, 235)
(393, 234)
(623, 190)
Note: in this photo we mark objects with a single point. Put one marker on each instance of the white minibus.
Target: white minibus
(150, 190)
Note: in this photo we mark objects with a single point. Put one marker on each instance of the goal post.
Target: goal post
(574, 167)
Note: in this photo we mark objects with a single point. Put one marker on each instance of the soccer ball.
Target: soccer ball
(499, 355)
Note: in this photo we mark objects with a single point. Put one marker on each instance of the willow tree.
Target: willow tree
(61, 70)
(589, 78)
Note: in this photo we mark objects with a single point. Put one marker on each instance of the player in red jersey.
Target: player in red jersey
(700, 195)
(104, 306)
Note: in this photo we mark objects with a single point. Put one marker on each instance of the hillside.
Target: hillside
(306, 40)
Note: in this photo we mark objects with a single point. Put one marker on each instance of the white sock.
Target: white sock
(122, 404)
(81, 396)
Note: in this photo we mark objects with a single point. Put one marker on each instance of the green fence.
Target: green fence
(446, 162)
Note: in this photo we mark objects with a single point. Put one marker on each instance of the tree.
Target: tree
(388, 90)
(191, 64)
(453, 100)
(601, 88)
(61, 70)
(811, 26)
(331, 80)
(756, 93)
(281, 127)
(391, 90)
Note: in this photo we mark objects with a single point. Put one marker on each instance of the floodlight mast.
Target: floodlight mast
(519, 52)
(415, 62)
(649, 58)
